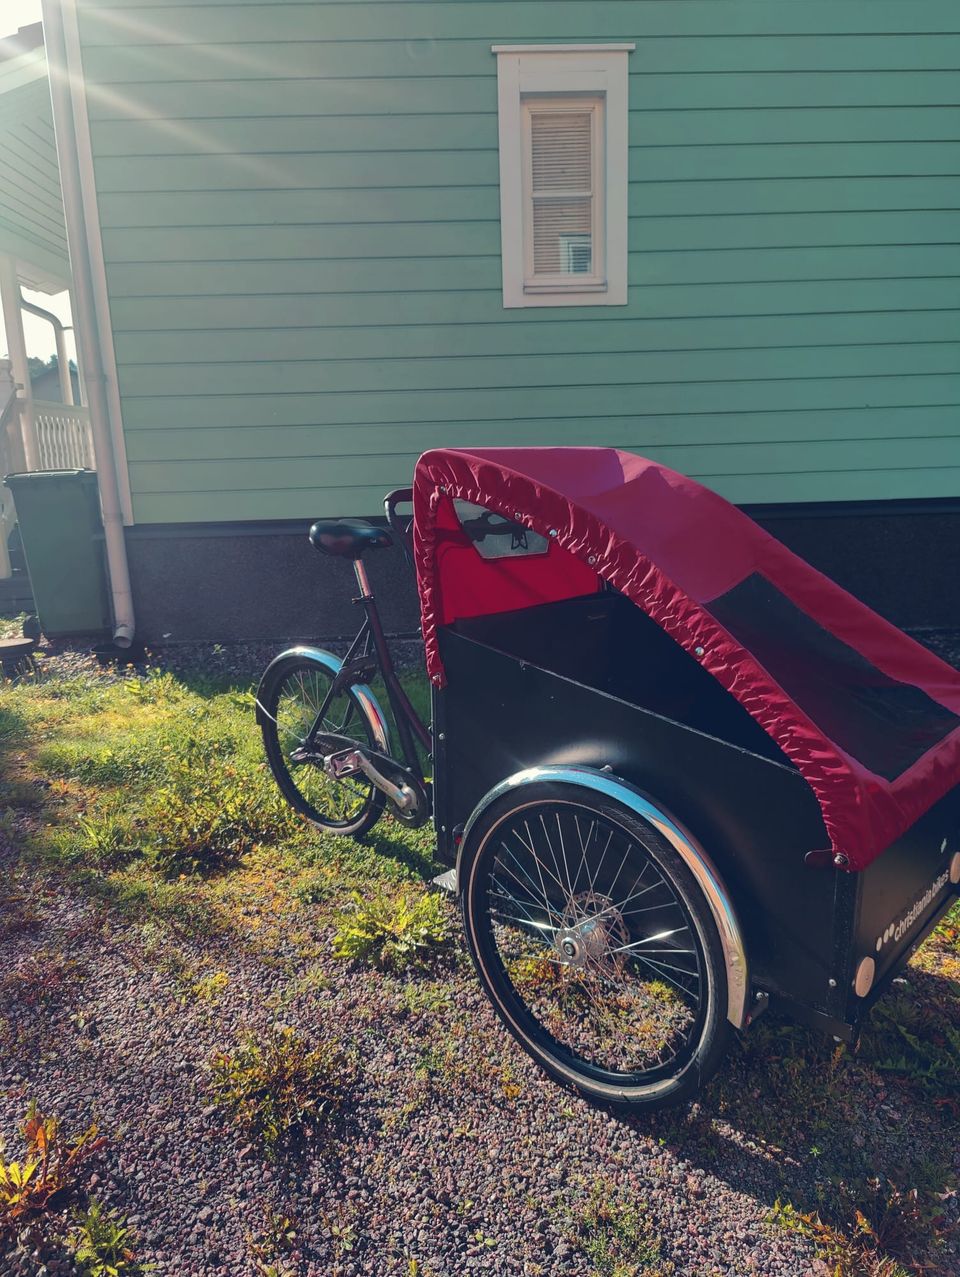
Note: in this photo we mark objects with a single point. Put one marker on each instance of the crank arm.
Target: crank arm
(349, 762)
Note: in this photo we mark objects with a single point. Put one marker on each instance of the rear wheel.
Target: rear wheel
(291, 695)
(595, 945)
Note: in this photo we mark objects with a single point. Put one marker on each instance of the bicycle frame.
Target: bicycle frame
(357, 667)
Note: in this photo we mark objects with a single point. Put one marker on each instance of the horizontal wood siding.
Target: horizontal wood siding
(300, 216)
(31, 206)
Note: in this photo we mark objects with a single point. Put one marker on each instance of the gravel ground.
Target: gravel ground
(454, 1154)
(438, 1167)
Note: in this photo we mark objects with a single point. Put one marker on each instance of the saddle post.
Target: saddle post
(363, 581)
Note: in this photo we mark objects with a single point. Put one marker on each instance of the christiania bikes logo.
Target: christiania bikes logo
(899, 927)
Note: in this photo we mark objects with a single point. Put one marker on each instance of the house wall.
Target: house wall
(299, 205)
(31, 205)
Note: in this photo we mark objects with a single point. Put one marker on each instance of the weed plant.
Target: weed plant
(276, 1087)
(33, 1189)
(101, 1243)
(614, 1234)
(394, 932)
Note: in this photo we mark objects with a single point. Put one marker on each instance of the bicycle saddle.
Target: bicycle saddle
(348, 538)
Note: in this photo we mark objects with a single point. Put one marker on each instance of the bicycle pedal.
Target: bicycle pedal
(345, 762)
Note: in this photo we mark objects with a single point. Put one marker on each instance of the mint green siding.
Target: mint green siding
(31, 206)
(300, 215)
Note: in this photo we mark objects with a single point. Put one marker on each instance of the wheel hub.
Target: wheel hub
(592, 928)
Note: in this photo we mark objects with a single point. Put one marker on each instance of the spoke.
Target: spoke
(669, 904)
(603, 857)
(513, 872)
(556, 875)
(563, 852)
(556, 862)
(618, 908)
(667, 966)
(504, 894)
(536, 859)
(523, 922)
(583, 856)
(660, 935)
(616, 877)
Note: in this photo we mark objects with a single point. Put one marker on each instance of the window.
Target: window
(495, 537)
(563, 174)
(562, 191)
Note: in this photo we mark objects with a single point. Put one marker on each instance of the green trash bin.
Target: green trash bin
(58, 512)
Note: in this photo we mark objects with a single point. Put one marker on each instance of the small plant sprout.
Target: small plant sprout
(270, 1251)
(210, 988)
(615, 1235)
(100, 1242)
(395, 933)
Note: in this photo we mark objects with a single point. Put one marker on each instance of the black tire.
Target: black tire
(587, 1009)
(350, 807)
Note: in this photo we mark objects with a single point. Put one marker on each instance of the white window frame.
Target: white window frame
(564, 73)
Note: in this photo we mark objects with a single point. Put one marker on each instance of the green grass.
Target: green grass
(148, 789)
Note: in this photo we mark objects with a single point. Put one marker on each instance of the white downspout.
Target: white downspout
(76, 179)
(59, 336)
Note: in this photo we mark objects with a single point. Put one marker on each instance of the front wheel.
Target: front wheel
(595, 945)
(292, 693)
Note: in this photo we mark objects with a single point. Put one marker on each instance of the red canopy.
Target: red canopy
(870, 718)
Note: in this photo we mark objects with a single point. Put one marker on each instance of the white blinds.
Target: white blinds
(561, 176)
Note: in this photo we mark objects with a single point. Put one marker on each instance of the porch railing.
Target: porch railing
(63, 436)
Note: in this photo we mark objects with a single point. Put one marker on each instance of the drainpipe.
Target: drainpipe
(76, 180)
(63, 365)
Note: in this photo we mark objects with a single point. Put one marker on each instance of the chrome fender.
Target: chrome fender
(682, 841)
(368, 702)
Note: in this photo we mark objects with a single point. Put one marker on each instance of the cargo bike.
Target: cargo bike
(679, 774)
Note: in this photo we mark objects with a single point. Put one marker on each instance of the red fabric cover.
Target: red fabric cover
(473, 586)
(670, 545)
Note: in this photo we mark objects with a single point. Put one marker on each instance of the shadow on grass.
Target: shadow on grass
(851, 1149)
(394, 843)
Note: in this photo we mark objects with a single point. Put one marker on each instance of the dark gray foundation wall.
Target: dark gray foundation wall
(236, 582)
(233, 582)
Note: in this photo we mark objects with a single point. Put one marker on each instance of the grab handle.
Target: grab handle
(401, 525)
